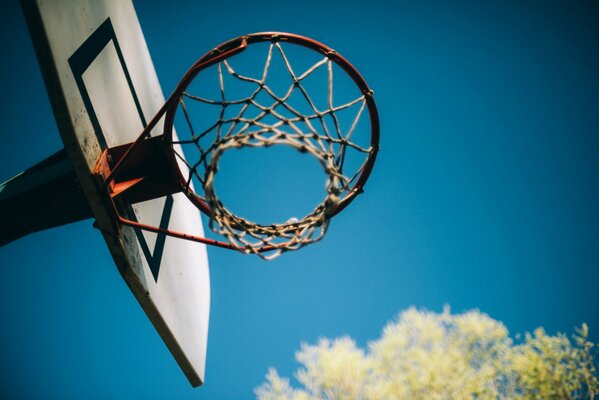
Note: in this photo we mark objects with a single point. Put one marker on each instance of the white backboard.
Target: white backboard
(103, 89)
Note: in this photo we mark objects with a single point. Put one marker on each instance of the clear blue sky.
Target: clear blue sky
(485, 195)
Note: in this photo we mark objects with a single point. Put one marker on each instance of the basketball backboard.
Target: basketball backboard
(103, 89)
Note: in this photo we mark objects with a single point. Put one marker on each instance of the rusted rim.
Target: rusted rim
(239, 44)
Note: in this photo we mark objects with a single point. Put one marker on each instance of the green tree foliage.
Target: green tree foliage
(425, 355)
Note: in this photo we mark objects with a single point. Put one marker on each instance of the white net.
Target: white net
(264, 117)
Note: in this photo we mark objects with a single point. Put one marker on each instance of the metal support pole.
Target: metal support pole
(44, 196)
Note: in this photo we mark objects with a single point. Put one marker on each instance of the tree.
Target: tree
(425, 355)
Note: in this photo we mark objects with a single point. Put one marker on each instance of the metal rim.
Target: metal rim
(239, 44)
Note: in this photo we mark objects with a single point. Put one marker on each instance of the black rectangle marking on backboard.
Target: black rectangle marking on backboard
(84, 56)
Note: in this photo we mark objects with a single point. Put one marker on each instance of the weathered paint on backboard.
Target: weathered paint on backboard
(103, 89)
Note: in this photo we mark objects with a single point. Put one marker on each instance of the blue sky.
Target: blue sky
(484, 196)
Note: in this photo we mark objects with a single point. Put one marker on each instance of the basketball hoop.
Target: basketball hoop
(154, 167)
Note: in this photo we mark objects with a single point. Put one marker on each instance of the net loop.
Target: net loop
(278, 122)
